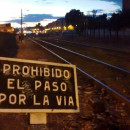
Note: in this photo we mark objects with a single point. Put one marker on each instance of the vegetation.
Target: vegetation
(8, 45)
(116, 22)
(77, 19)
(39, 26)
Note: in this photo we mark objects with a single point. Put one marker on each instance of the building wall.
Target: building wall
(58, 23)
(6, 28)
(126, 5)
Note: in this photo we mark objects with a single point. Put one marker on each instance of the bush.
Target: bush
(8, 45)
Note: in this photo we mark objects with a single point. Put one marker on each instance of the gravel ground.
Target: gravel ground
(98, 109)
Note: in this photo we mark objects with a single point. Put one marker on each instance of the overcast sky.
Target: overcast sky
(45, 10)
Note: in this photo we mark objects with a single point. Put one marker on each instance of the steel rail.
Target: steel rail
(93, 59)
(91, 46)
(87, 74)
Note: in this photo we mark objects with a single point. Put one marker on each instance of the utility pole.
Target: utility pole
(21, 22)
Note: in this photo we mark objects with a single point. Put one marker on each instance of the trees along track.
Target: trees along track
(116, 93)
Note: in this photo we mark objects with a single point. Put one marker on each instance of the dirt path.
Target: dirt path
(29, 50)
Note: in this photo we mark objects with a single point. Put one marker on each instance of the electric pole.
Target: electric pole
(21, 22)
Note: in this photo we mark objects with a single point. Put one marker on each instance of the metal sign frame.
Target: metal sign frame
(26, 110)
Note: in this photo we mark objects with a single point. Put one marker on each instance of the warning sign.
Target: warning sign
(34, 86)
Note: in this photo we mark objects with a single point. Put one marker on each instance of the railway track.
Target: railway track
(87, 45)
(88, 57)
(115, 57)
(57, 50)
(92, 46)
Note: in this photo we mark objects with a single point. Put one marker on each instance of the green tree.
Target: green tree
(77, 19)
(116, 22)
(39, 26)
(103, 23)
(126, 18)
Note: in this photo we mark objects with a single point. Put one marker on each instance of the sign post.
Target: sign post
(38, 118)
(28, 86)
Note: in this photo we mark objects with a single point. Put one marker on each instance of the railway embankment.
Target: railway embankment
(98, 109)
